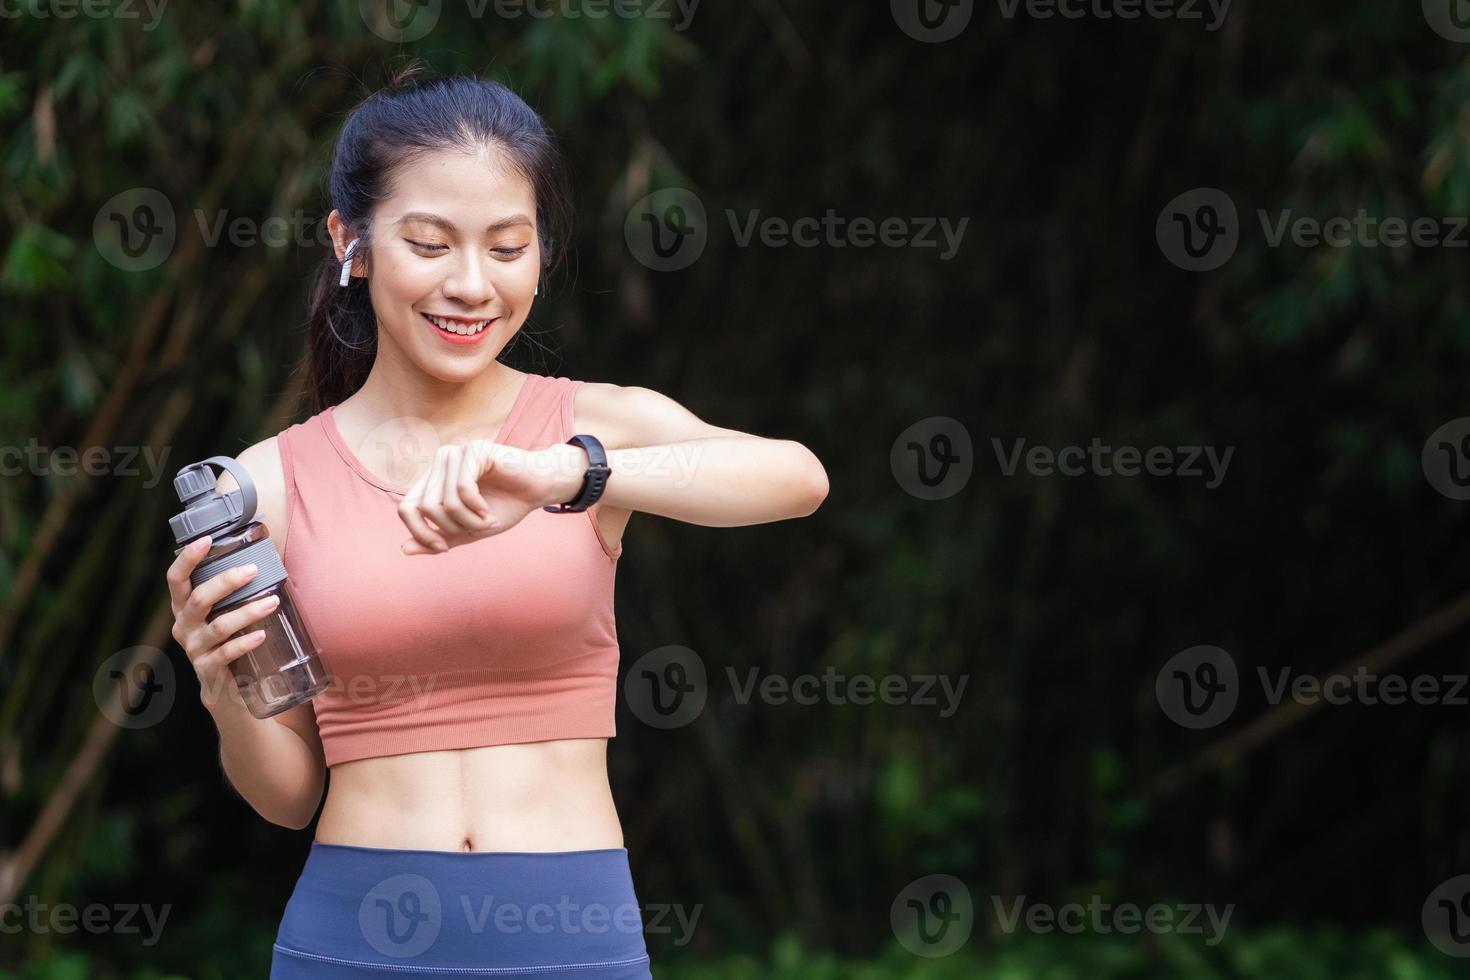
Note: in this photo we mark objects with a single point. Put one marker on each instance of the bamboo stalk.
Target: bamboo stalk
(1286, 715)
(181, 268)
(16, 867)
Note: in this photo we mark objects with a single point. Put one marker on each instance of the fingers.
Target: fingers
(461, 487)
(183, 566)
(213, 667)
(239, 646)
(232, 622)
(477, 463)
(196, 610)
(446, 507)
(424, 537)
(443, 472)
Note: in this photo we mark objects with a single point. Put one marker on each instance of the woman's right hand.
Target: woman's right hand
(208, 644)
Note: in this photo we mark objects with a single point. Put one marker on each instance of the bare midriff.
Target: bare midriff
(530, 796)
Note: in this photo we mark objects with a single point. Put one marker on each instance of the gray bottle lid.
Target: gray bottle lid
(207, 511)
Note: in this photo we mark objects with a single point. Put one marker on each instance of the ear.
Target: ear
(340, 236)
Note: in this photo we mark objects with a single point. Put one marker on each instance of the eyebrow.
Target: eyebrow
(442, 222)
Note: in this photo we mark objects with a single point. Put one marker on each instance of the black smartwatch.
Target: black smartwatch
(593, 483)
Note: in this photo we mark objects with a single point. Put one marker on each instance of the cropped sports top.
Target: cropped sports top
(510, 638)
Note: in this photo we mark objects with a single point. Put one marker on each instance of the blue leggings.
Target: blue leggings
(403, 914)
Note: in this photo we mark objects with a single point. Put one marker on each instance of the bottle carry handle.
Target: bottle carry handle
(248, 499)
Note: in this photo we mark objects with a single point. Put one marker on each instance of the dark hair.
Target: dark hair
(413, 114)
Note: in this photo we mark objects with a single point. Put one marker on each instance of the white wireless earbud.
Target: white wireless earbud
(347, 261)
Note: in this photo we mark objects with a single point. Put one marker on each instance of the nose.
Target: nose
(469, 280)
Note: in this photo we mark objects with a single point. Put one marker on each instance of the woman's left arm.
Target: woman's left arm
(663, 460)
(672, 463)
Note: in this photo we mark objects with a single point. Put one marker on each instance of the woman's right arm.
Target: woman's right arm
(276, 764)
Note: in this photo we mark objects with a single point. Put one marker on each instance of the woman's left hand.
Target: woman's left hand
(479, 488)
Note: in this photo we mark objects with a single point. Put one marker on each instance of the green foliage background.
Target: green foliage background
(1059, 320)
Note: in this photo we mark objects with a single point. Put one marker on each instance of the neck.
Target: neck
(398, 388)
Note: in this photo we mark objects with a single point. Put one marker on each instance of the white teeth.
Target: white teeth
(463, 329)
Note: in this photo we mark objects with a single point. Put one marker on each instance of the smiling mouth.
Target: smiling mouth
(463, 328)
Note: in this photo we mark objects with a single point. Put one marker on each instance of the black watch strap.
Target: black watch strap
(593, 483)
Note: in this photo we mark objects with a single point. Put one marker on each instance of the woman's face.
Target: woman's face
(454, 245)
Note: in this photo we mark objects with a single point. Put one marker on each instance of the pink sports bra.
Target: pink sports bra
(507, 639)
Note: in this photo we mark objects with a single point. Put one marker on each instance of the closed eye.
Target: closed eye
(426, 246)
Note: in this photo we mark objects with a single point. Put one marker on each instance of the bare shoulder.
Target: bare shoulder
(600, 408)
(627, 416)
(263, 462)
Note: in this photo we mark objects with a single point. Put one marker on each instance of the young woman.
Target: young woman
(454, 556)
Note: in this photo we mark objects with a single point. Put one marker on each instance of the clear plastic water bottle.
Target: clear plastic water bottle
(285, 669)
